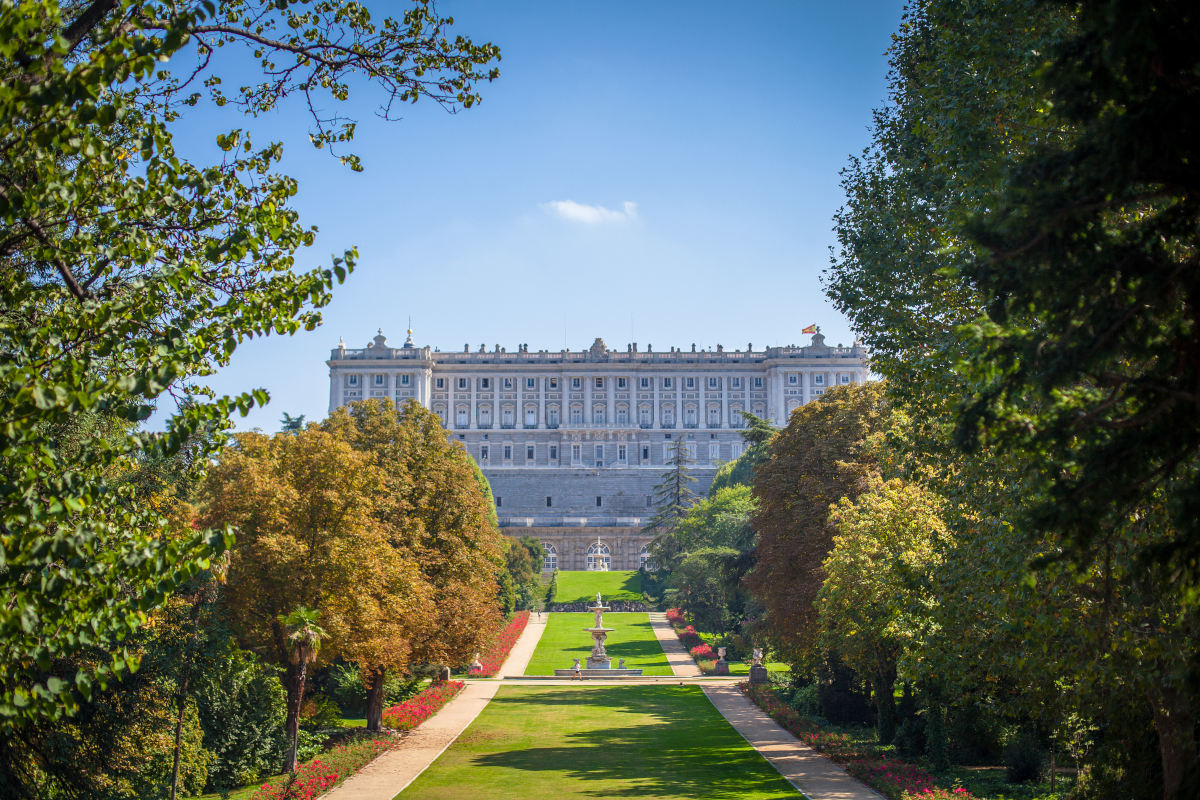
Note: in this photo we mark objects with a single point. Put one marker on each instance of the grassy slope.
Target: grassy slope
(665, 742)
(564, 640)
(577, 587)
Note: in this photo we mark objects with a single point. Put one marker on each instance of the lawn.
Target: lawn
(581, 586)
(564, 640)
(665, 742)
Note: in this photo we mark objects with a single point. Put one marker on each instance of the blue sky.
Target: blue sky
(657, 172)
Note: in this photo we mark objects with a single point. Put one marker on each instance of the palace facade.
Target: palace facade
(574, 442)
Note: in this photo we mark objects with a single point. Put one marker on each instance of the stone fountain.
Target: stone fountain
(599, 659)
(599, 665)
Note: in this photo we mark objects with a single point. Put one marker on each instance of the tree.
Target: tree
(824, 454)
(757, 434)
(291, 424)
(304, 637)
(875, 599)
(438, 515)
(674, 495)
(1088, 359)
(129, 272)
(305, 506)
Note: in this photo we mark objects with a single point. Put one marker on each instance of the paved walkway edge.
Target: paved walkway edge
(813, 774)
(391, 773)
(681, 661)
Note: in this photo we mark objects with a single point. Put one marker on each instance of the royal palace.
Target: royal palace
(574, 442)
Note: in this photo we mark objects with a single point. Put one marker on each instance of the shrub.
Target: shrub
(910, 737)
(1024, 758)
(702, 651)
(318, 712)
(804, 699)
(242, 706)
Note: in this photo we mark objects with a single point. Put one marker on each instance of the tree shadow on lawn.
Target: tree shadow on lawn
(633, 585)
(681, 755)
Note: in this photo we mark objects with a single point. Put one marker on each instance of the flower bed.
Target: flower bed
(495, 656)
(895, 779)
(700, 651)
(314, 778)
(411, 713)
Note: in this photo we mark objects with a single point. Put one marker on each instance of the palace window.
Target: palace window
(598, 501)
(845, 378)
(758, 383)
(793, 379)
(714, 383)
(483, 452)
(599, 383)
(549, 501)
(644, 417)
(819, 380)
(552, 417)
(554, 452)
(352, 380)
(529, 451)
(508, 452)
(462, 383)
(531, 383)
(644, 561)
(599, 453)
(645, 383)
(598, 415)
(499, 501)
(622, 383)
(666, 383)
(440, 383)
(714, 451)
(576, 453)
(379, 380)
(485, 383)
(508, 383)
(576, 415)
(621, 453)
(645, 452)
(460, 418)
(576, 383)
(736, 383)
(552, 383)
(404, 380)
(622, 416)
(689, 383)
(549, 558)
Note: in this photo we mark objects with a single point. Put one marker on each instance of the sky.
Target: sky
(663, 173)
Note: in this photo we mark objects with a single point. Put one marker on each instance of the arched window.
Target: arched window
(644, 559)
(599, 557)
(549, 558)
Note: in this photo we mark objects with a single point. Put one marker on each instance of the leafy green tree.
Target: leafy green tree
(740, 471)
(290, 424)
(874, 603)
(128, 272)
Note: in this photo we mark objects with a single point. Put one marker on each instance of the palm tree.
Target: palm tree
(304, 637)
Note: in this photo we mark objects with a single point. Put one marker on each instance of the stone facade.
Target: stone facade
(573, 442)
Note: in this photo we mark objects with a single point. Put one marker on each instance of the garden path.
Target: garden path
(680, 660)
(806, 769)
(387, 775)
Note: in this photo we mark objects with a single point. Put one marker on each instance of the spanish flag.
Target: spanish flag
(810, 329)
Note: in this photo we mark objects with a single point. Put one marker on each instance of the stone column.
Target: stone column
(724, 401)
(611, 417)
(587, 400)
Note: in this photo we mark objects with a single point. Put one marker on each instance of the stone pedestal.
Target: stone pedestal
(721, 668)
(758, 674)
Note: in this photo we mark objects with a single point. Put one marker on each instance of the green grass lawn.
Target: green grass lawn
(665, 742)
(743, 667)
(580, 586)
(564, 640)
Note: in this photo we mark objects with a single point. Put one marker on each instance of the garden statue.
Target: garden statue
(757, 657)
(620, 663)
(722, 666)
(758, 673)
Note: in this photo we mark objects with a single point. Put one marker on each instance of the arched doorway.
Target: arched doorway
(599, 557)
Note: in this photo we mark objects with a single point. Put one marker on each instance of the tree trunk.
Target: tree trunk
(375, 700)
(1175, 723)
(885, 702)
(183, 692)
(295, 676)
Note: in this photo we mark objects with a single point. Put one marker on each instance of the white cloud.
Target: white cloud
(590, 215)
